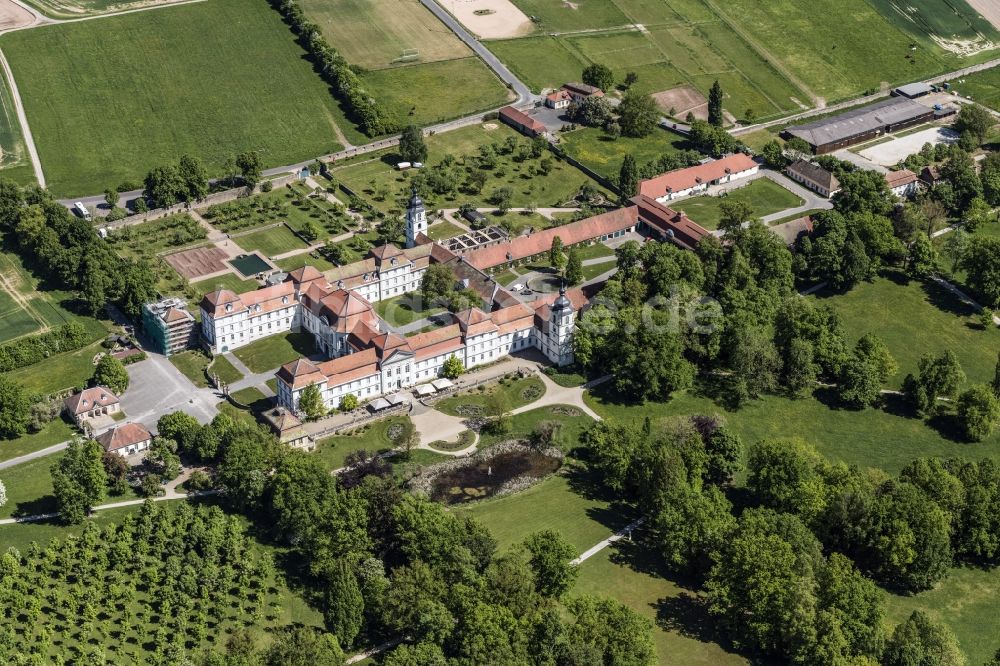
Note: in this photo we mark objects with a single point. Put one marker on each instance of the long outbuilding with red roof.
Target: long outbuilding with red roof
(693, 180)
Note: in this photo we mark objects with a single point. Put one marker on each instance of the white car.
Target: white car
(517, 287)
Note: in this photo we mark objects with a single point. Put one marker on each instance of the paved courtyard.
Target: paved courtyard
(156, 387)
(892, 152)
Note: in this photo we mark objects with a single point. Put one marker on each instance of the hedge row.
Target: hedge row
(26, 351)
(371, 116)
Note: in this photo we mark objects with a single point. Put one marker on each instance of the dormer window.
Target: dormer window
(340, 284)
(392, 262)
(256, 308)
(229, 307)
(284, 300)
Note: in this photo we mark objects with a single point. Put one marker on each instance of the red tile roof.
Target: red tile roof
(571, 234)
(124, 436)
(683, 179)
(516, 117)
(87, 399)
(348, 368)
(671, 224)
(900, 178)
(300, 372)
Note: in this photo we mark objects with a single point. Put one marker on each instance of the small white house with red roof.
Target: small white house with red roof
(558, 99)
(126, 439)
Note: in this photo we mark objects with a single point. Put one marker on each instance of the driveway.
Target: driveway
(156, 388)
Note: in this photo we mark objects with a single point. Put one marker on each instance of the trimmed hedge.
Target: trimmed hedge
(370, 114)
(30, 350)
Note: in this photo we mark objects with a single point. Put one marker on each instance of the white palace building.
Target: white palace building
(364, 357)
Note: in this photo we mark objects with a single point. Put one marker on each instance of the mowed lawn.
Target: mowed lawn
(914, 318)
(967, 601)
(763, 195)
(633, 573)
(374, 34)
(272, 241)
(109, 99)
(867, 438)
(274, 351)
(551, 504)
(605, 155)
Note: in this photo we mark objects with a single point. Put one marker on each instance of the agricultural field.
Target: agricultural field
(14, 161)
(130, 629)
(763, 195)
(68, 9)
(433, 92)
(384, 33)
(170, 82)
(680, 44)
(983, 87)
(388, 189)
(834, 58)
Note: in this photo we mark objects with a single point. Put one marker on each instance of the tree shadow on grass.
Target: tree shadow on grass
(946, 301)
(44, 504)
(948, 426)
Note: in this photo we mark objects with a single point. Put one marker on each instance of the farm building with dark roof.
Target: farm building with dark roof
(858, 125)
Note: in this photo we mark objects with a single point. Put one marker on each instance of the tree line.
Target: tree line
(371, 115)
(793, 573)
(58, 245)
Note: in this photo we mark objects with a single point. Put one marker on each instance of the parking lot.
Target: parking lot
(892, 152)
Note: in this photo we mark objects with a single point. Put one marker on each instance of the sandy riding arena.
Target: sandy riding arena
(490, 19)
(685, 100)
(14, 16)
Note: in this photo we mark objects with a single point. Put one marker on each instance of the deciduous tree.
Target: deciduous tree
(551, 559)
(111, 372)
(599, 76)
(637, 114)
(411, 145)
(15, 409)
(311, 402)
(79, 480)
(978, 412)
(921, 640)
(452, 367)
